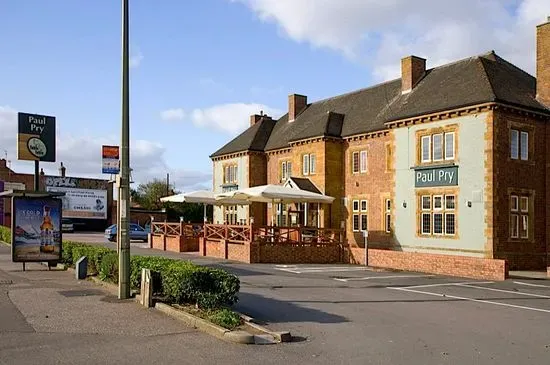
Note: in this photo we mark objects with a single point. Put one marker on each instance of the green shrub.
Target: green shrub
(157, 265)
(209, 288)
(5, 234)
(225, 318)
(108, 267)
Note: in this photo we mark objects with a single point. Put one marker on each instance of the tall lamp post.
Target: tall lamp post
(124, 182)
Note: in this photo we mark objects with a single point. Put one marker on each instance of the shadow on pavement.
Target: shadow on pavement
(272, 310)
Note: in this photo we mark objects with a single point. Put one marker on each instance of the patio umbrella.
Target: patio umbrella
(205, 197)
(276, 193)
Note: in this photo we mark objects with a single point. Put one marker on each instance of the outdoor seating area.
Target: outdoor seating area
(252, 243)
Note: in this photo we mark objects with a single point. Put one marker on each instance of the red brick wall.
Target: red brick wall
(462, 266)
(238, 252)
(530, 254)
(181, 244)
(294, 254)
(375, 186)
(157, 242)
(257, 175)
(215, 249)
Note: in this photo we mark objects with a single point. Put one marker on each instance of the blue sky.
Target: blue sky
(201, 67)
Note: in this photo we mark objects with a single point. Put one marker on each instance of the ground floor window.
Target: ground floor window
(387, 215)
(359, 216)
(282, 215)
(520, 211)
(437, 214)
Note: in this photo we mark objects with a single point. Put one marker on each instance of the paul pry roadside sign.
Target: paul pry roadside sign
(36, 137)
(436, 176)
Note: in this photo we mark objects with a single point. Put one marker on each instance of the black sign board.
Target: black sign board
(36, 137)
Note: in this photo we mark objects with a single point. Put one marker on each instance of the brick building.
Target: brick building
(452, 160)
(76, 186)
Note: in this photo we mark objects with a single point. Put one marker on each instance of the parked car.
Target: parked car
(67, 225)
(137, 232)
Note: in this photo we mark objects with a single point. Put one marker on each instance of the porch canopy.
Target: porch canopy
(276, 194)
(205, 197)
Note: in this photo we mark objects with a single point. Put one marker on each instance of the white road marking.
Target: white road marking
(504, 291)
(473, 300)
(529, 284)
(449, 284)
(383, 277)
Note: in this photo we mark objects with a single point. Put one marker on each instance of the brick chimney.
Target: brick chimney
(413, 69)
(255, 118)
(62, 170)
(3, 163)
(296, 104)
(543, 63)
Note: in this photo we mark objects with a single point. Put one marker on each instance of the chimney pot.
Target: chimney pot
(543, 63)
(62, 170)
(413, 69)
(296, 104)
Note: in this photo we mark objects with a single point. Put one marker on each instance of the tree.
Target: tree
(148, 195)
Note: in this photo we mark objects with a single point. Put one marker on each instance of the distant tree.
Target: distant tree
(148, 195)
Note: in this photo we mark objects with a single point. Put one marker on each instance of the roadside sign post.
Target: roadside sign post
(366, 238)
(124, 192)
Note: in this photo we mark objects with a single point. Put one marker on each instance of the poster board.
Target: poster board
(36, 229)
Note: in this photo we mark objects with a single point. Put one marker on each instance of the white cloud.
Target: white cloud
(172, 114)
(229, 118)
(380, 33)
(135, 59)
(81, 155)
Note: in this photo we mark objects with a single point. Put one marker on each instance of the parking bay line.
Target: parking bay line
(313, 270)
(448, 284)
(383, 277)
(472, 300)
(529, 284)
(503, 291)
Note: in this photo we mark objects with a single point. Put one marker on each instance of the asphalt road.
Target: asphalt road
(345, 314)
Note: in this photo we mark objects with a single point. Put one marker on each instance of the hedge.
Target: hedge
(181, 282)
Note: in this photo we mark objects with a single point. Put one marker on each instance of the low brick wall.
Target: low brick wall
(238, 252)
(299, 254)
(157, 242)
(215, 249)
(462, 266)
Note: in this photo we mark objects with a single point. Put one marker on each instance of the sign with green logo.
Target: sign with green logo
(436, 176)
(36, 137)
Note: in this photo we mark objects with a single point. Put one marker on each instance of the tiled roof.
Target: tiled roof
(252, 139)
(305, 184)
(475, 80)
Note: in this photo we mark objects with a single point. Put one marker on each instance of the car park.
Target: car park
(67, 225)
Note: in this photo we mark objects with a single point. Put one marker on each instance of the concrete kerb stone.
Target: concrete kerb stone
(279, 336)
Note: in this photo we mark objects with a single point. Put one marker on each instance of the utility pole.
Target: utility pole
(124, 201)
(167, 184)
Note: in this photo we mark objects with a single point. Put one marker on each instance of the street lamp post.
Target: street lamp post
(124, 183)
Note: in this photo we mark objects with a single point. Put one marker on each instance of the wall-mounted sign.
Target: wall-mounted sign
(36, 137)
(436, 176)
(36, 229)
(111, 159)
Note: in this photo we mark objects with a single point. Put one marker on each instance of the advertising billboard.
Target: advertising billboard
(110, 159)
(36, 229)
(82, 203)
(36, 137)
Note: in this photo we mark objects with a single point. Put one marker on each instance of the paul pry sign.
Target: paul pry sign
(36, 137)
(436, 176)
